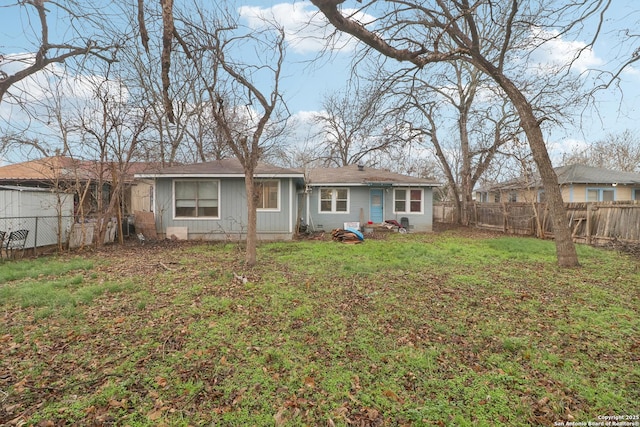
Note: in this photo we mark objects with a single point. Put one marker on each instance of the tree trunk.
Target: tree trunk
(251, 255)
(565, 248)
(470, 45)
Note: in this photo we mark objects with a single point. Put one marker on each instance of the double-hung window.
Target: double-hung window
(407, 200)
(267, 192)
(196, 199)
(334, 200)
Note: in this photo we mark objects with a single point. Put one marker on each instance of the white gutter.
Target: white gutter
(234, 175)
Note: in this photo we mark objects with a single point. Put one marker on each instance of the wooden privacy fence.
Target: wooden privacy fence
(592, 223)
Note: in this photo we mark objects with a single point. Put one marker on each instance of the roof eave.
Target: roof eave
(373, 184)
(215, 175)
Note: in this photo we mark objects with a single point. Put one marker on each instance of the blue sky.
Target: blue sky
(305, 84)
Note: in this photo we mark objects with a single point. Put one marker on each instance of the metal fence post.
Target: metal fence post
(35, 239)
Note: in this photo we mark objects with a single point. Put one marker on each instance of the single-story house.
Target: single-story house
(578, 183)
(363, 195)
(208, 200)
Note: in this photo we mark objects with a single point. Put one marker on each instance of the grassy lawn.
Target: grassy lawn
(412, 330)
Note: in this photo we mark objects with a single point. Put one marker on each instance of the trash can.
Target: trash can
(404, 222)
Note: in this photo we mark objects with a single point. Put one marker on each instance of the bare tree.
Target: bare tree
(110, 125)
(618, 151)
(354, 126)
(50, 52)
(248, 113)
(193, 135)
(457, 100)
(424, 33)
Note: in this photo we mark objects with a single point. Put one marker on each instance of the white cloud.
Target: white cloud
(306, 29)
(53, 81)
(632, 71)
(555, 53)
(306, 116)
(31, 103)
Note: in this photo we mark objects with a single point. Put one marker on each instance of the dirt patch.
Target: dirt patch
(465, 231)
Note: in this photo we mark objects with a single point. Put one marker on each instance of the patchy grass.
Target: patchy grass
(413, 330)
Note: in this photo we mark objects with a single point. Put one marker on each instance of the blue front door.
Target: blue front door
(376, 206)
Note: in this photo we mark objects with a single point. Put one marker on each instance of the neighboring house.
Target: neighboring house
(578, 183)
(349, 194)
(208, 201)
(74, 176)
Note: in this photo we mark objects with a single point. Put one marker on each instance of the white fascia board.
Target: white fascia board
(270, 175)
(370, 184)
(213, 175)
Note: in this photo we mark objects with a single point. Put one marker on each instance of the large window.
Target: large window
(334, 200)
(196, 199)
(267, 192)
(407, 200)
(600, 195)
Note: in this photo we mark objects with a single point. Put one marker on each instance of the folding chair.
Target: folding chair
(2, 235)
(15, 242)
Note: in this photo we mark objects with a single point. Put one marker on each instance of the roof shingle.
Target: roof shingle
(356, 175)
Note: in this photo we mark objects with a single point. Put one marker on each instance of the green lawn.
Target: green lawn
(412, 330)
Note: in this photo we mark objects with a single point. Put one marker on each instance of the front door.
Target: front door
(376, 210)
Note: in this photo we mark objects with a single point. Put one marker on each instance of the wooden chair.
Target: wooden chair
(15, 242)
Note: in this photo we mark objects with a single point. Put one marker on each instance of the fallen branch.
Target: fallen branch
(166, 267)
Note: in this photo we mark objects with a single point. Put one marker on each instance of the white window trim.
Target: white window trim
(278, 208)
(194, 218)
(333, 200)
(408, 201)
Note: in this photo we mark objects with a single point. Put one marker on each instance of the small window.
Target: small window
(513, 197)
(333, 200)
(408, 201)
(267, 192)
(196, 199)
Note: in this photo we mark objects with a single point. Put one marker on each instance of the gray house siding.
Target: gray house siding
(359, 208)
(232, 212)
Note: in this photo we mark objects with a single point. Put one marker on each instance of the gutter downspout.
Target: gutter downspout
(293, 201)
(307, 192)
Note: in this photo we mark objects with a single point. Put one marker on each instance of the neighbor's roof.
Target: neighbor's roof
(581, 174)
(221, 168)
(25, 189)
(355, 175)
(48, 169)
(572, 174)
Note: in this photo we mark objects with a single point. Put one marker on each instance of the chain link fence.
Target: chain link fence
(45, 233)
